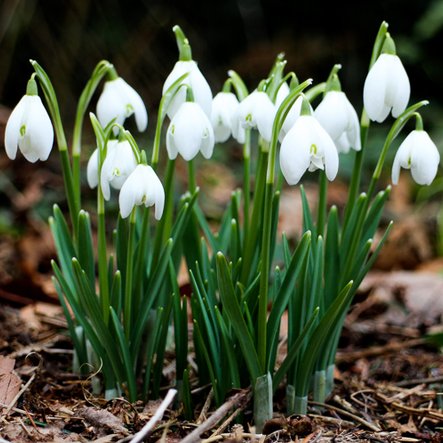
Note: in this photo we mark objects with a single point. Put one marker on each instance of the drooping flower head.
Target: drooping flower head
(142, 187)
(194, 80)
(29, 127)
(119, 162)
(255, 111)
(387, 86)
(307, 146)
(224, 107)
(419, 154)
(189, 132)
(119, 101)
(338, 117)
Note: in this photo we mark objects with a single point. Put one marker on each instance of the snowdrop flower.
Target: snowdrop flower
(294, 111)
(419, 154)
(195, 81)
(386, 87)
(307, 146)
(224, 106)
(338, 117)
(255, 111)
(29, 128)
(120, 161)
(142, 187)
(119, 101)
(190, 131)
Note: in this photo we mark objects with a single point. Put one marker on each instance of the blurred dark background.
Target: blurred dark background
(69, 37)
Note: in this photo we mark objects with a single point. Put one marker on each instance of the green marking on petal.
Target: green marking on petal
(129, 110)
(116, 172)
(22, 130)
(313, 149)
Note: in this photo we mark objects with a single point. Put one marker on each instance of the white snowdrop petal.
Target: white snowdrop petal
(295, 156)
(425, 158)
(374, 91)
(202, 91)
(170, 142)
(224, 106)
(282, 93)
(221, 133)
(39, 128)
(139, 108)
(12, 131)
(110, 105)
(402, 89)
(207, 144)
(92, 170)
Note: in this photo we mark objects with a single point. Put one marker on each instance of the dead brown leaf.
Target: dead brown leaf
(407, 246)
(9, 381)
(411, 298)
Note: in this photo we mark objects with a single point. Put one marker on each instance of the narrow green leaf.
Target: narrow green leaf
(321, 332)
(231, 305)
(85, 248)
(124, 351)
(212, 369)
(287, 287)
(292, 353)
(308, 223)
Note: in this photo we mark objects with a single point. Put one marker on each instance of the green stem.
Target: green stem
(140, 262)
(251, 242)
(102, 258)
(354, 186)
(192, 182)
(85, 98)
(264, 276)
(246, 183)
(322, 202)
(51, 100)
(163, 231)
(128, 278)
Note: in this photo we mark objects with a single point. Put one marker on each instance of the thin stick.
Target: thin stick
(194, 436)
(155, 418)
(225, 424)
(420, 381)
(364, 422)
(379, 350)
(206, 406)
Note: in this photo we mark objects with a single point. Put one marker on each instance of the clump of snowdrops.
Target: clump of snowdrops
(121, 295)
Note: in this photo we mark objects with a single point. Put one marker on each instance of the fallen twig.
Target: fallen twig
(346, 357)
(362, 421)
(420, 381)
(409, 409)
(147, 428)
(235, 400)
